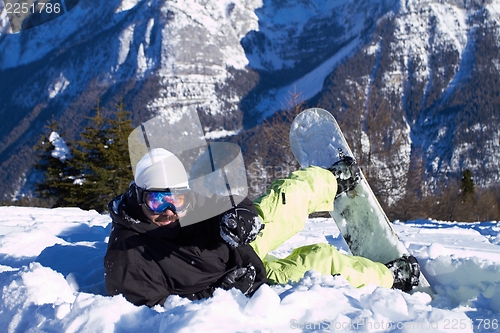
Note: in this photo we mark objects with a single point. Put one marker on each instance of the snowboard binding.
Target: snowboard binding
(406, 272)
(347, 172)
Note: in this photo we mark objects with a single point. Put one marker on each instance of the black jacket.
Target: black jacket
(147, 263)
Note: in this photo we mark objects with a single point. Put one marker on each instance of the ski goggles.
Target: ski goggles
(159, 201)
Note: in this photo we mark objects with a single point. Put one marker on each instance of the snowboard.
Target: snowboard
(316, 139)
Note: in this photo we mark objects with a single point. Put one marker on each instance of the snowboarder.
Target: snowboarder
(150, 256)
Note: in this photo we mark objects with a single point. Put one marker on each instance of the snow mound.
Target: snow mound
(53, 281)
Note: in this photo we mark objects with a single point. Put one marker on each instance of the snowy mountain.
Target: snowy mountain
(413, 79)
(52, 280)
(428, 78)
(156, 55)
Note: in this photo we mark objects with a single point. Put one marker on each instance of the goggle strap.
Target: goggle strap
(139, 192)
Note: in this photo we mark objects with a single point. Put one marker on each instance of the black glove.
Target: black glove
(240, 226)
(241, 278)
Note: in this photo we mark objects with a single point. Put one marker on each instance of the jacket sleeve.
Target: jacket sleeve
(248, 256)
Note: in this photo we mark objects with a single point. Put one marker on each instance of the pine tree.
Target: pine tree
(467, 206)
(118, 152)
(58, 174)
(101, 156)
(467, 183)
(86, 152)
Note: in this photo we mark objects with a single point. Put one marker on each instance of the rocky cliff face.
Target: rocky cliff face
(408, 80)
(158, 56)
(434, 70)
(412, 82)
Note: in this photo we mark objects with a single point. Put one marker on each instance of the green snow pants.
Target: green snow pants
(284, 210)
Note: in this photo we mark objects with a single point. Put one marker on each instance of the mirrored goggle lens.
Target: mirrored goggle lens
(160, 201)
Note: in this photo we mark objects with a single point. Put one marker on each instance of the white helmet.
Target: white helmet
(159, 169)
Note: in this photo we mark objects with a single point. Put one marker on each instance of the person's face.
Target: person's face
(162, 207)
(165, 218)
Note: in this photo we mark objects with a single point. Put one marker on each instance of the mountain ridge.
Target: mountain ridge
(406, 67)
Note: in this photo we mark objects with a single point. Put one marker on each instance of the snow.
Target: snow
(53, 280)
(143, 63)
(127, 5)
(308, 85)
(217, 134)
(147, 37)
(61, 150)
(191, 72)
(43, 39)
(422, 27)
(274, 22)
(282, 21)
(4, 21)
(60, 84)
(125, 43)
